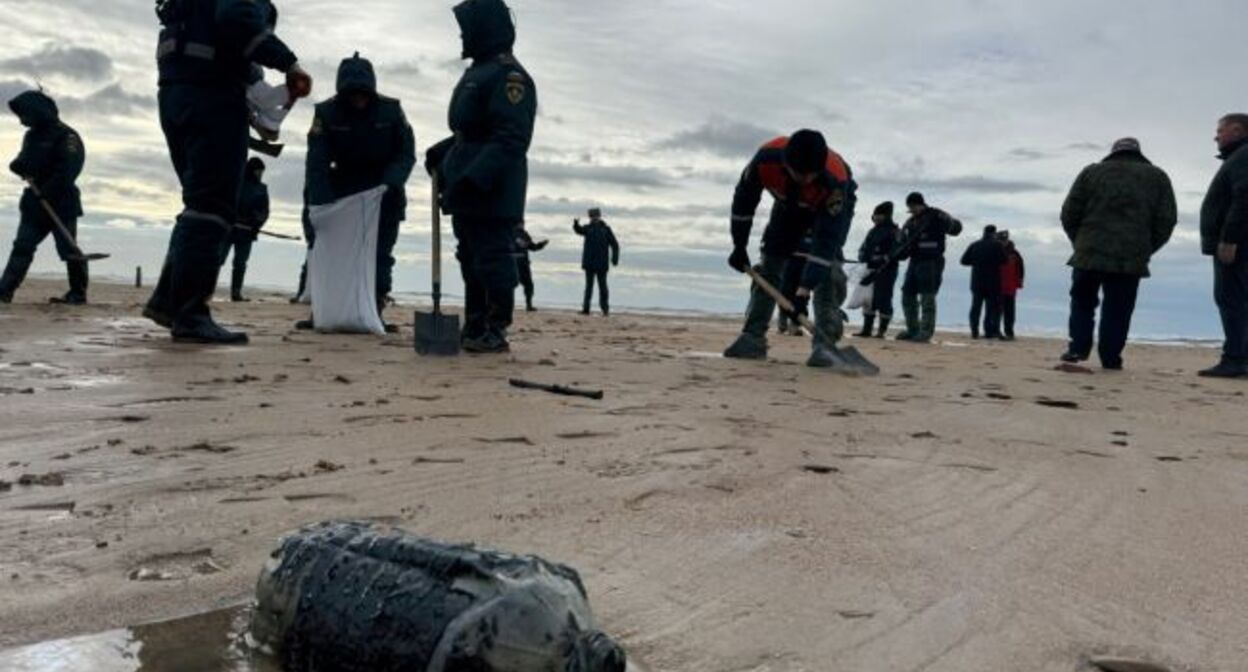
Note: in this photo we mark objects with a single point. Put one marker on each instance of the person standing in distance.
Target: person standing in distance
(600, 252)
(1223, 236)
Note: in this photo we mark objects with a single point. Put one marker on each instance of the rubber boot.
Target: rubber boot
(883, 327)
(747, 347)
(927, 322)
(77, 294)
(303, 284)
(194, 265)
(910, 307)
(868, 326)
(236, 285)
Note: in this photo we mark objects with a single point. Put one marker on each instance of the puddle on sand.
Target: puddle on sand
(210, 642)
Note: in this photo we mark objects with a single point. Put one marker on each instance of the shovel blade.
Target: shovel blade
(89, 257)
(859, 361)
(437, 334)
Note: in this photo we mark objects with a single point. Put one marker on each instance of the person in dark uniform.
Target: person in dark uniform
(985, 257)
(600, 252)
(361, 140)
(51, 159)
(923, 242)
(206, 52)
(524, 267)
(253, 213)
(875, 251)
(814, 195)
(483, 169)
(1013, 275)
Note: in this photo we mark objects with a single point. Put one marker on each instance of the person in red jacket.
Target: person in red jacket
(1012, 273)
(814, 193)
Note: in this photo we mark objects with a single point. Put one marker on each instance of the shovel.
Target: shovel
(56, 220)
(850, 357)
(262, 232)
(437, 334)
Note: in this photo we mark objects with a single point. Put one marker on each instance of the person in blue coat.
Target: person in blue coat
(205, 56)
(483, 169)
(360, 140)
(51, 159)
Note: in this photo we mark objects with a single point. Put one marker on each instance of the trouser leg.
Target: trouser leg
(1121, 292)
(762, 306)
(1085, 290)
(474, 291)
(30, 234)
(827, 300)
(524, 268)
(589, 292)
(242, 254)
(977, 305)
(78, 280)
(992, 315)
(1230, 291)
(910, 308)
(1009, 311)
(927, 319)
(604, 294)
(387, 238)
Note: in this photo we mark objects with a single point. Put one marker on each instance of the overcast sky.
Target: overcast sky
(651, 108)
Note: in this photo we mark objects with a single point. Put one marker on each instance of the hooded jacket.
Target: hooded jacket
(1118, 214)
(352, 150)
(484, 166)
(1224, 214)
(879, 244)
(52, 156)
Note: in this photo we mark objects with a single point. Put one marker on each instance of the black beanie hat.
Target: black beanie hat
(807, 152)
(885, 208)
(915, 198)
(254, 164)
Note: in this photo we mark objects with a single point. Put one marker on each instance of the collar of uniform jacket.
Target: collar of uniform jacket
(1234, 147)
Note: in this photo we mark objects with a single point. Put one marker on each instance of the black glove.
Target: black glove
(740, 259)
(800, 306)
(435, 154)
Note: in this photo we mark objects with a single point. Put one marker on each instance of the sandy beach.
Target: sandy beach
(970, 509)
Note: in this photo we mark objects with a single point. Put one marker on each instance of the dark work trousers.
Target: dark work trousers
(387, 238)
(604, 292)
(206, 131)
(1119, 292)
(793, 271)
(1009, 313)
(1230, 291)
(986, 305)
(489, 271)
(32, 230)
(524, 268)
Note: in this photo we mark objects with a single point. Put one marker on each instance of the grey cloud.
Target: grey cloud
(74, 62)
(1086, 146)
(966, 183)
(721, 137)
(1025, 154)
(634, 177)
(546, 206)
(112, 100)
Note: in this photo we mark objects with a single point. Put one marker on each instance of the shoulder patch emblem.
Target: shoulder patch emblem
(516, 89)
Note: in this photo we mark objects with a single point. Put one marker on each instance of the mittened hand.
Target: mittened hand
(801, 303)
(298, 82)
(740, 259)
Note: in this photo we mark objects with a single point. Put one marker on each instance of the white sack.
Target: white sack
(342, 265)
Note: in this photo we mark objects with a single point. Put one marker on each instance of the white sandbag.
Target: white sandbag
(861, 296)
(342, 265)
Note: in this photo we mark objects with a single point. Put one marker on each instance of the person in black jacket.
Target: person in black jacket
(205, 55)
(1224, 236)
(524, 266)
(985, 257)
(483, 169)
(600, 252)
(875, 251)
(923, 241)
(51, 159)
(253, 213)
(361, 140)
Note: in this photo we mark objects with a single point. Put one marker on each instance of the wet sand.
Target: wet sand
(970, 509)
